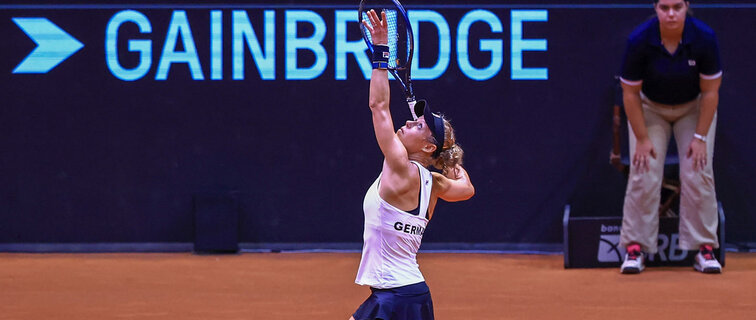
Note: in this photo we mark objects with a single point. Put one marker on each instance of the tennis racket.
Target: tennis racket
(400, 42)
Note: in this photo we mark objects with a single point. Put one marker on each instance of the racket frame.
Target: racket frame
(406, 81)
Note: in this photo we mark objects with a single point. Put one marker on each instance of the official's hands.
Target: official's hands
(643, 149)
(697, 150)
(377, 27)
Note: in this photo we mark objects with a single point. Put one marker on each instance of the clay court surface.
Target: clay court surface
(321, 286)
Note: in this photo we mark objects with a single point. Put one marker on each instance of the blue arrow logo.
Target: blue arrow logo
(53, 45)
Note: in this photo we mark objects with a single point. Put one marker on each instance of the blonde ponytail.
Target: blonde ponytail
(451, 154)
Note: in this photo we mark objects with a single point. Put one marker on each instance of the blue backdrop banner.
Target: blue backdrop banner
(114, 116)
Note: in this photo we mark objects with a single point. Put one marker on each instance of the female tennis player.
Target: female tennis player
(400, 202)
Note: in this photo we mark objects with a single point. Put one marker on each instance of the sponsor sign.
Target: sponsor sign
(594, 242)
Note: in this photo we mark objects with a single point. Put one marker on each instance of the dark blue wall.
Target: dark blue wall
(88, 157)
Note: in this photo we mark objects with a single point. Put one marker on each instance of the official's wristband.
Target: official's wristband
(380, 53)
(699, 137)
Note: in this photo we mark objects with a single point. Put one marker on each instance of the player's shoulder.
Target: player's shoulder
(440, 181)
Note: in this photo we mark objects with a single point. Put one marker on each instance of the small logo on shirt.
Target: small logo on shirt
(692, 63)
(385, 54)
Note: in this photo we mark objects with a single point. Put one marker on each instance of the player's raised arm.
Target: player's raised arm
(392, 148)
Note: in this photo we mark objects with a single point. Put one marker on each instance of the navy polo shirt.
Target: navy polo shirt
(671, 78)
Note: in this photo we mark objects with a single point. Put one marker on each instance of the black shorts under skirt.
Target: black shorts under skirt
(411, 302)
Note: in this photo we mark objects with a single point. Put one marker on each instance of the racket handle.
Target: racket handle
(411, 103)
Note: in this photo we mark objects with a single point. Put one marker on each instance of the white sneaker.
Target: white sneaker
(705, 261)
(633, 263)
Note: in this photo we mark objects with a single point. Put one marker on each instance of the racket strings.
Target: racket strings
(393, 37)
(399, 47)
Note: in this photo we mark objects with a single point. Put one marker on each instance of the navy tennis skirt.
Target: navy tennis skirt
(411, 302)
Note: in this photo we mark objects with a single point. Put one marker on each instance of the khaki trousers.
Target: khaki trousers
(698, 204)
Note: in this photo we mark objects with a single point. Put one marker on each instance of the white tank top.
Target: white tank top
(392, 237)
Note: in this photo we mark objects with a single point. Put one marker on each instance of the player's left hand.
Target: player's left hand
(377, 27)
(454, 173)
